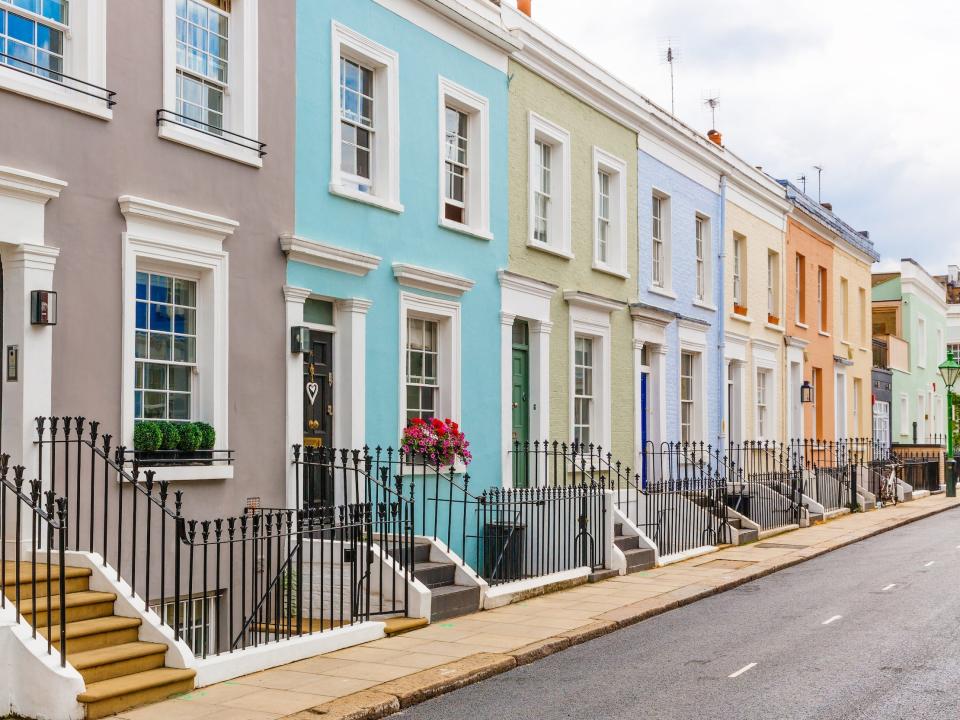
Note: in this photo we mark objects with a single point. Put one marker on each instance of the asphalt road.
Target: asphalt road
(871, 631)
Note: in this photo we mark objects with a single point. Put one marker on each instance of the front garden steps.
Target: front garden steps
(120, 671)
(638, 558)
(447, 599)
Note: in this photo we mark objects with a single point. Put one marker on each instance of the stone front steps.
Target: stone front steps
(447, 599)
(120, 671)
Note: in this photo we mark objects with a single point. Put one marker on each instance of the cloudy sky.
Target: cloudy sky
(867, 90)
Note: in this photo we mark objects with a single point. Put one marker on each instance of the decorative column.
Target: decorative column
(350, 373)
(540, 380)
(294, 298)
(506, 396)
(638, 408)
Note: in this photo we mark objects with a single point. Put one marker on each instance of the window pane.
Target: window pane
(31, 5)
(179, 408)
(160, 288)
(141, 345)
(185, 293)
(184, 321)
(141, 320)
(138, 404)
(55, 10)
(154, 405)
(155, 376)
(19, 28)
(180, 378)
(160, 317)
(184, 350)
(159, 346)
(138, 375)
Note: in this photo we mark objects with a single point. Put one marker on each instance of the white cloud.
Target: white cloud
(866, 89)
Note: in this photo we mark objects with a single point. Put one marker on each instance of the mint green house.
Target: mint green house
(909, 328)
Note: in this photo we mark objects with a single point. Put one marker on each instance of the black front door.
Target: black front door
(318, 417)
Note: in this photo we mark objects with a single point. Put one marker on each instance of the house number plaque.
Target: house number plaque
(13, 355)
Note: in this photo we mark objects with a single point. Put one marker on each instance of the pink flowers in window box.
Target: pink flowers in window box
(440, 442)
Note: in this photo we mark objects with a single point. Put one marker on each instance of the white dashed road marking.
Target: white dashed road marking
(833, 619)
(891, 585)
(742, 670)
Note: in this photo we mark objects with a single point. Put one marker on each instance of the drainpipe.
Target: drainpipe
(721, 315)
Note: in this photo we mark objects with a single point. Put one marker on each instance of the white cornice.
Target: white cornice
(794, 341)
(827, 233)
(431, 280)
(28, 185)
(526, 285)
(650, 314)
(140, 208)
(475, 23)
(291, 293)
(592, 302)
(330, 257)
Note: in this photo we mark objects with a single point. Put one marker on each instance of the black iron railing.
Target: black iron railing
(169, 116)
(921, 472)
(58, 78)
(35, 573)
(767, 483)
(677, 498)
(220, 584)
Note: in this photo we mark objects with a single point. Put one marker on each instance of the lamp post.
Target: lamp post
(950, 371)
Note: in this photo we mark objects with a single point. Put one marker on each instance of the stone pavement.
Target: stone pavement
(380, 677)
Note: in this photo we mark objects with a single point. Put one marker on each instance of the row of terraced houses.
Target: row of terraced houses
(304, 225)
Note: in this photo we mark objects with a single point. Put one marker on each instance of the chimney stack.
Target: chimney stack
(827, 206)
(524, 7)
(715, 137)
(865, 234)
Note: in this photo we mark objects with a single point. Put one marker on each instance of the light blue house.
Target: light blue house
(401, 223)
(677, 317)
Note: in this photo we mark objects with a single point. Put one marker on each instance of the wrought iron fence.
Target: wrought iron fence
(921, 472)
(36, 574)
(767, 484)
(677, 499)
(261, 576)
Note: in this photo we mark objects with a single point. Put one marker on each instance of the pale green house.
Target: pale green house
(567, 337)
(909, 323)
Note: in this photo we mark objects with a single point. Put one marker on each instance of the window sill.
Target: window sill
(863, 349)
(542, 247)
(775, 328)
(663, 292)
(349, 194)
(53, 93)
(601, 267)
(847, 343)
(822, 333)
(206, 143)
(741, 318)
(802, 325)
(704, 306)
(189, 473)
(465, 229)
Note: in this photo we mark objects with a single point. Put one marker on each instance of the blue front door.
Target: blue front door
(644, 420)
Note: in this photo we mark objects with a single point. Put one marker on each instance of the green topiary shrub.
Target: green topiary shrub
(147, 436)
(171, 435)
(208, 436)
(189, 437)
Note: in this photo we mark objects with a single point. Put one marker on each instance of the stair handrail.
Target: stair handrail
(46, 509)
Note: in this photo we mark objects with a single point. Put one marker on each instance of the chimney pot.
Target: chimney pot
(865, 234)
(524, 7)
(827, 206)
(715, 137)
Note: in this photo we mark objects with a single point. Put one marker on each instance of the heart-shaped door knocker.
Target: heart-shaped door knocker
(312, 390)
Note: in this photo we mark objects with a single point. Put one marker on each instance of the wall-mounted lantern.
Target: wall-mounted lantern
(299, 339)
(43, 307)
(806, 392)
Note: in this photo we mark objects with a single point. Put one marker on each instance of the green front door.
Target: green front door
(521, 409)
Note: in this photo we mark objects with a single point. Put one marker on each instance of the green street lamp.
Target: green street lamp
(950, 371)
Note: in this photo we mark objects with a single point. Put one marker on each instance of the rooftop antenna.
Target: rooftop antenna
(803, 180)
(672, 56)
(819, 169)
(713, 103)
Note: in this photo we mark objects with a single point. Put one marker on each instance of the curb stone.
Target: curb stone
(390, 697)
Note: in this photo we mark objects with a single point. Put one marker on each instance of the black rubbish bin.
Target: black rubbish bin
(503, 544)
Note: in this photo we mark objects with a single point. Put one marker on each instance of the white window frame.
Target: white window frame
(703, 252)
(844, 310)
(693, 339)
(84, 58)
(739, 243)
(385, 158)
(187, 243)
(904, 414)
(594, 344)
(447, 315)
(800, 292)
(664, 283)
(692, 401)
(616, 170)
(207, 619)
(941, 348)
(764, 387)
(591, 318)
(477, 190)
(821, 299)
(773, 283)
(241, 100)
(865, 328)
(559, 238)
(855, 405)
(922, 348)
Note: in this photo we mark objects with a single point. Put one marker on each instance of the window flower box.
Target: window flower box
(158, 443)
(773, 319)
(740, 310)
